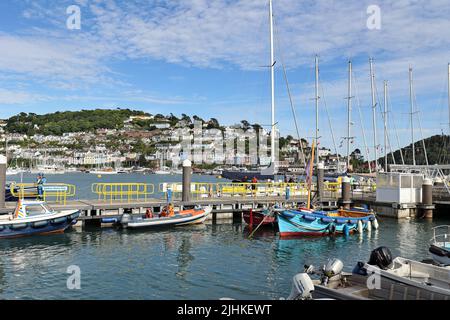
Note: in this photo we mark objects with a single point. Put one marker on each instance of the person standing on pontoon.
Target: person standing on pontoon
(40, 181)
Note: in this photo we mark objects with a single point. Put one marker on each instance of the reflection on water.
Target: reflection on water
(207, 261)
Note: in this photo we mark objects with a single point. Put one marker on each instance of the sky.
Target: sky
(209, 58)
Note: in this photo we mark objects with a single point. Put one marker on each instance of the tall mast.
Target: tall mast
(412, 113)
(272, 71)
(349, 112)
(449, 98)
(385, 127)
(317, 108)
(374, 114)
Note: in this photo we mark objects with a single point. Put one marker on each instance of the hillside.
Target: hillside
(69, 121)
(437, 147)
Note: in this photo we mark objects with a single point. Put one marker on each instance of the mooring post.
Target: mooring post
(427, 198)
(187, 178)
(346, 199)
(320, 178)
(3, 164)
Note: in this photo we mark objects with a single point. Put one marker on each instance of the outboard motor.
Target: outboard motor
(302, 287)
(332, 269)
(125, 219)
(382, 258)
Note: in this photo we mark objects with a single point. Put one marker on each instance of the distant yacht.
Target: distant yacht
(103, 171)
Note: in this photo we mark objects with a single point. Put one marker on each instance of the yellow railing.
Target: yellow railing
(123, 191)
(224, 189)
(57, 192)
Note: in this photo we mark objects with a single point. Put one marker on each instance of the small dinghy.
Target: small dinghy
(440, 245)
(169, 219)
(35, 217)
(264, 218)
(382, 278)
(298, 223)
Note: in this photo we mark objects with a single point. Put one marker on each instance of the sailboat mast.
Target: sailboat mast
(317, 108)
(412, 113)
(272, 71)
(449, 98)
(385, 127)
(349, 112)
(374, 109)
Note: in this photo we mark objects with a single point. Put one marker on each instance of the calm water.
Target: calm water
(195, 262)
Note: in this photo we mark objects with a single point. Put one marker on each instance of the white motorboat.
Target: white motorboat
(382, 278)
(440, 245)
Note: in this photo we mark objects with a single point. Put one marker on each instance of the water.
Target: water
(193, 262)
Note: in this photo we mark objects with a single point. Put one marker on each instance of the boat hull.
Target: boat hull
(298, 224)
(257, 218)
(37, 226)
(186, 217)
(440, 254)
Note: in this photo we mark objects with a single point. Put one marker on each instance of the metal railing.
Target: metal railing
(123, 191)
(55, 192)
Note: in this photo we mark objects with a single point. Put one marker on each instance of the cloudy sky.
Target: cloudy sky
(208, 57)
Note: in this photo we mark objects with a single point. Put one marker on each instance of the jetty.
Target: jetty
(396, 195)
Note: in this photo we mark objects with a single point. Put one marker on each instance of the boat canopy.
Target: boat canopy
(27, 208)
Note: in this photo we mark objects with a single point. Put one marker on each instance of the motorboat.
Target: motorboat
(440, 245)
(382, 278)
(306, 222)
(168, 218)
(35, 217)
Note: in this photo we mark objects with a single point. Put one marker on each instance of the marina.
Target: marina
(154, 198)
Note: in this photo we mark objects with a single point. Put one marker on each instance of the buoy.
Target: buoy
(375, 224)
(346, 230)
(99, 176)
(360, 226)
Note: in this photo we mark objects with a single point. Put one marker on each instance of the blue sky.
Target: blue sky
(205, 57)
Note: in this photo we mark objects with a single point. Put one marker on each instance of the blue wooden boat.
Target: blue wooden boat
(35, 217)
(293, 223)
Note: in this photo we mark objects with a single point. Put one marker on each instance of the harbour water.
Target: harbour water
(193, 262)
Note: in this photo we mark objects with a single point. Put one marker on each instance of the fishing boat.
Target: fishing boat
(166, 219)
(35, 217)
(382, 278)
(293, 223)
(440, 245)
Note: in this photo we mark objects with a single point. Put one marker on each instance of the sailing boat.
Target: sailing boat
(268, 173)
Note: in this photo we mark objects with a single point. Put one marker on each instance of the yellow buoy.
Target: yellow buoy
(99, 176)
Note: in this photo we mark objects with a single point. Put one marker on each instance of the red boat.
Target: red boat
(254, 219)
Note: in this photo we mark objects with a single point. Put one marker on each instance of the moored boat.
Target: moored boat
(263, 218)
(297, 223)
(180, 218)
(35, 217)
(440, 245)
(382, 278)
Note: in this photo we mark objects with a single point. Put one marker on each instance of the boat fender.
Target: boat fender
(309, 218)
(360, 227)
(375, 224)
(327, 220)
(331, 228)
(59, 220)
(2, 228)
(439, 251)
(346, 230)
(369, 226)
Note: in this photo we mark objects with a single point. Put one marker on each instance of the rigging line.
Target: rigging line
(289, 92)
(395, 130)
(382, 114)
(329, 121)
(421, 131)
(358, 102)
